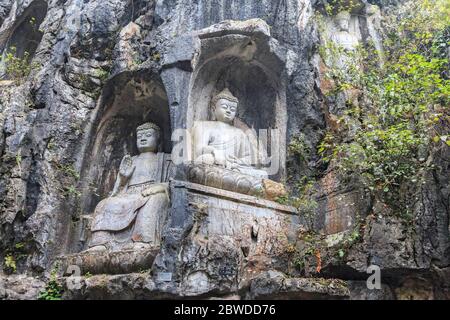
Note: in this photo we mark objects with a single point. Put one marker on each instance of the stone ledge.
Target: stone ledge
(116, 262)
(271, 285)
(246, 27)
(275, 285)
(115, 287)
(238, 197)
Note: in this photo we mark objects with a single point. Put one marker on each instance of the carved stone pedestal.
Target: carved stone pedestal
(228, 213)
(217, 239)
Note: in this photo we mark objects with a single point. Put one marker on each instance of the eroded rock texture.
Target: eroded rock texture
(96, 63)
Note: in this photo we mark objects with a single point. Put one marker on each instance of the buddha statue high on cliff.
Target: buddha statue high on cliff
(218, 143)
(132, 217)
(343, 36)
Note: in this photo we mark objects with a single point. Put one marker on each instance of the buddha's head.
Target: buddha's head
(224, 106)
(148, 136)
(343, 20)
(372, 9)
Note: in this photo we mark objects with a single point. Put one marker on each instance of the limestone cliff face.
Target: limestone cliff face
(91, 59)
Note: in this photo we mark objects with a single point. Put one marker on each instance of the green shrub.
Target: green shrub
(53, 290)
(10, 263)
(17, 68)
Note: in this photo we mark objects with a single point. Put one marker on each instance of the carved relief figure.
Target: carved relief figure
(219, 143)
(132, 217)
(343, 36)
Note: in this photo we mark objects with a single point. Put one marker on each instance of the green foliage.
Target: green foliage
(102, 75)
(302, 195)
(10, 263)
(19, 246)
(18, 159)
(307, 251)
(298, 148)
(303, 200)
(349, 240)
(71, 191)
(156, 56)
(53, 290)
(385, 140)
(86, 82)
(17, 68)
(333, 6)
(70, 171)
(13, 255)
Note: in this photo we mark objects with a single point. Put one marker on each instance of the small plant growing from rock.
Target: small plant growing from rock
(102, 75)
(10, 264)
(17, 68)
(156, 56)
(53, 290)
(71, 191)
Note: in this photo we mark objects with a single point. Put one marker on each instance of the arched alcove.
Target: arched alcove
(25, 35)
(129, 100)
(253, 74)
(248, 82)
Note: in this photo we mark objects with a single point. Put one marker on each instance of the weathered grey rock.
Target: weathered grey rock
(106, 262)
(132, 286)
(359, 291)
(20, 287)
(270, 285)
(275, 285)
(5, 6)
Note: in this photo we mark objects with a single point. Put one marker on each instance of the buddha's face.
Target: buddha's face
(147, 140)
(225, 110)
(343, 24)
(372, 9)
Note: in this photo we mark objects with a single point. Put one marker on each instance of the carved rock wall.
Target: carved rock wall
(49, 120)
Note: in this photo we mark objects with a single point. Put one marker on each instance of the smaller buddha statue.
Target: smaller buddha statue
(343, 36)
(132, 217)
(219, 143)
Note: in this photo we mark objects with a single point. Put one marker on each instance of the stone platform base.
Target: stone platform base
(270, 285)
(257, 226)
(105, 262)
(218, 239)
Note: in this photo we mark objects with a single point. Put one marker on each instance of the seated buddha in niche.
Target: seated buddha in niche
(218, 143)
(132, 217)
